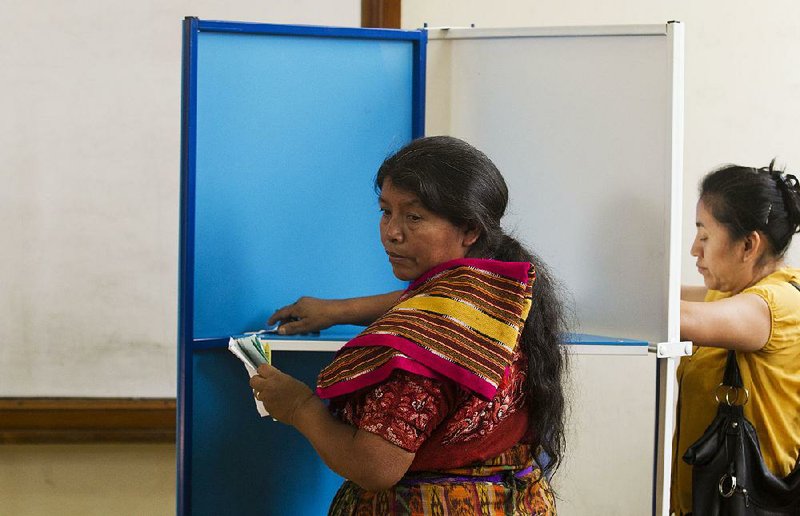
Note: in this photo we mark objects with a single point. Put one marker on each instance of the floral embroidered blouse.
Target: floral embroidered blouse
(445, 425)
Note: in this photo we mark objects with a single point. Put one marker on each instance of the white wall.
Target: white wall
(742, 75)
(89, 171)
(89, 188)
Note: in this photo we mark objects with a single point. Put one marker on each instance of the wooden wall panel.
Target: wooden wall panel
(86, 420)
(383, 14)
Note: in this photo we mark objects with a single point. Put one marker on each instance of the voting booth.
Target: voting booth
(284, 128)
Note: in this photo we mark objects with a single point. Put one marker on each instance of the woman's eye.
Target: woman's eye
(413, 218)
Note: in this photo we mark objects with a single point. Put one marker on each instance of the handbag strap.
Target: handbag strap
(732, 376)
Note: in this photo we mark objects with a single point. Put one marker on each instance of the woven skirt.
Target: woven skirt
(529, 494)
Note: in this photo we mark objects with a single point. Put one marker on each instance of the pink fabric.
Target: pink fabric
(427, 359)
(444, 425)
(514, 270)
(376, 376)
(437, 345)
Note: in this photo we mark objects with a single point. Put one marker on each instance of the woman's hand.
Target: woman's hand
(363, 457)
(306, 315)
(310, 314)
(280, 394)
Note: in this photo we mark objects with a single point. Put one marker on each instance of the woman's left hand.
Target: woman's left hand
(281, 394)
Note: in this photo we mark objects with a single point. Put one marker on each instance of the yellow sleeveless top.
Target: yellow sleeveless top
(771, 374)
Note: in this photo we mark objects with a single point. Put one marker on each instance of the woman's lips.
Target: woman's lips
(396, 258)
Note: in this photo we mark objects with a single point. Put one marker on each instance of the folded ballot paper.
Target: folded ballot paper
(252, 351)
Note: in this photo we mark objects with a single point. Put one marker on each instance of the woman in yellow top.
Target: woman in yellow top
(746, 219)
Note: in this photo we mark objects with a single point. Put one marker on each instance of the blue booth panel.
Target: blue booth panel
(244, 464)
(290, 133)
(284, 129)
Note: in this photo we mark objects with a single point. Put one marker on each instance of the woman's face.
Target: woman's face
(719, 258)
(415, 238)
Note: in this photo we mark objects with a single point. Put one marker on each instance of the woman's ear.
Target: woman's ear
(471, 234)
(754, 246)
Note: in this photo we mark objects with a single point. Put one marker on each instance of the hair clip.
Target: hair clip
(769, 212)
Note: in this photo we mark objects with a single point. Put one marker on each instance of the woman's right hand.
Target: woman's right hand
(310, 314)
(306, 315)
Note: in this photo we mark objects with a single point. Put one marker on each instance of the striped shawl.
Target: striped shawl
(460, 320)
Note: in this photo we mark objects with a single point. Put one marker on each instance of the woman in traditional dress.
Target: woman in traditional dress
(451, 401)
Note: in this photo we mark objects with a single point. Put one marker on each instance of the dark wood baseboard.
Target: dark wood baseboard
(384, 14)
(87, 420)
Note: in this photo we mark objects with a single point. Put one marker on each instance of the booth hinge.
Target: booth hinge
(444, 27)
(671, 349)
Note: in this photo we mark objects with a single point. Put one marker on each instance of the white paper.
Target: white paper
(233, 347)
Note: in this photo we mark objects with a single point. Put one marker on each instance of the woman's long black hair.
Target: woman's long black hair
(457, 181)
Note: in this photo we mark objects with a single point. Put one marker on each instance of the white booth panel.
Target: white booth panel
(579, 123)
(585, 125)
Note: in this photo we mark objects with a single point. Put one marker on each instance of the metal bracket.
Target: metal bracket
(445, 27)
(671, 349)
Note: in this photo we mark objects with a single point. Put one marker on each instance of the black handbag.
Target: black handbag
(729, 477)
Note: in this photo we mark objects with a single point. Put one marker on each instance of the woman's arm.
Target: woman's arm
(693, 293)
(741, 322)
(309, 314)
(365, 458)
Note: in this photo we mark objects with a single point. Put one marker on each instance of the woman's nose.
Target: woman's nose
(392, 230)
(695, 250)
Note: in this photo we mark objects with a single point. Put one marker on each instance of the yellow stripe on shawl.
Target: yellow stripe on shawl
(526, 308)
(465, 314)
